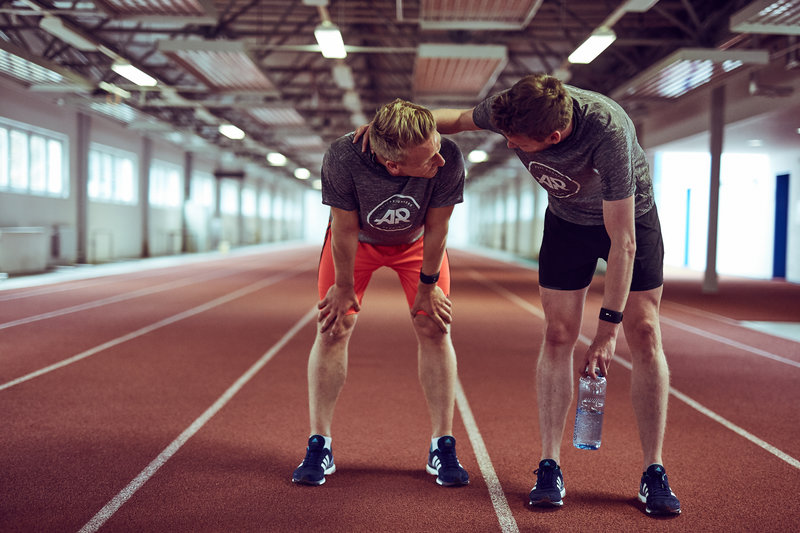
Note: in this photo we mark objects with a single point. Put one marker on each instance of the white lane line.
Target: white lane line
(501, 508)
(717, 418)
(152, 327)
(681, 396)
(125, 494)
(115, 299)
(729, 342)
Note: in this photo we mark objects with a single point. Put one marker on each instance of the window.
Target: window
(112, 175)
(165, 184)
(203, 186)
(229, 197)
(249, 202)
(32, 160)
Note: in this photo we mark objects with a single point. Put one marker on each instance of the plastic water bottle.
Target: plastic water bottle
(589, 415)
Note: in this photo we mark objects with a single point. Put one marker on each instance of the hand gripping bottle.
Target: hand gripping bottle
(589, 415)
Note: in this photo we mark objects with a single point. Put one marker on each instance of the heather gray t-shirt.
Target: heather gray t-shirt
(391, 209)
(600, 160)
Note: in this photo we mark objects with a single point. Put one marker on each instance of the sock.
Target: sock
(435, 443)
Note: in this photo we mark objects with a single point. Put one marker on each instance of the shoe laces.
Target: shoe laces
(448, 459)
(314, 456)
(658, 486)
(545, 476)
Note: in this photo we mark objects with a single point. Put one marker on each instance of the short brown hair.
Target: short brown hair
(535, 106)
(398, 126)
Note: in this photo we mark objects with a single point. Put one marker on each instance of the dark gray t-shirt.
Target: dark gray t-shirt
(391, 209)
(600, 160)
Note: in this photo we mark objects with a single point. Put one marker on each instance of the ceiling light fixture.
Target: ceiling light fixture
(55, 26)
(599, 40)
(113, 89)
(330, 40)
(276, 159)
(231, 132)
(343, 77)
(133, 74)
(302, 173)
(477, 156)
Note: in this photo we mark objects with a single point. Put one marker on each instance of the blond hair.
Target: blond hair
(398, 126)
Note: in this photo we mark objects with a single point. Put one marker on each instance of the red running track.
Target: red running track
(172, 397)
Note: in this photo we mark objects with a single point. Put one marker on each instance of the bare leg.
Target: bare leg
(436, 359)
(554, 376)
(650, 379)
(327, 371)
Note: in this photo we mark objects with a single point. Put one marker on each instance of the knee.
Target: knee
(644, 337)
(330, 339)
(427, 330)
(559, 332)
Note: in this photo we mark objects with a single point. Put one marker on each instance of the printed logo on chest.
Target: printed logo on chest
(396, 213)
(555, 182)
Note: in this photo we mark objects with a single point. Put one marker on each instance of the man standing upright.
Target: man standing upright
(582, 148)
(390, 207)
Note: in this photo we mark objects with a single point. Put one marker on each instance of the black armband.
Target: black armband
(428, 280)
(615, 317)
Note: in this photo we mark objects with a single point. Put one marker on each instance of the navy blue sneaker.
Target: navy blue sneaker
(443, 463)
(654, 491)
(317, 464)
(549, 488)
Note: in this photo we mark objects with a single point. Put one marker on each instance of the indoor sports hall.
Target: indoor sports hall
(161, 223)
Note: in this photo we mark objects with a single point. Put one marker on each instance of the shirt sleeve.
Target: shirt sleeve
(338, 189)
(613, 160)
(449, 183)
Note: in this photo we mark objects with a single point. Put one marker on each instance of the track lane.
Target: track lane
(381, 432)
(110, 415)
(234, 473)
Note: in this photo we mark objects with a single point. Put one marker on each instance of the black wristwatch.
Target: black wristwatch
(615, 317)
(428, 280)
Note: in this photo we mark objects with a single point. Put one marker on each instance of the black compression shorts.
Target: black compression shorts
(569, 253)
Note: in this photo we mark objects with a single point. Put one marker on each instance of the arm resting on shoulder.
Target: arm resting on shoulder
(449, 121)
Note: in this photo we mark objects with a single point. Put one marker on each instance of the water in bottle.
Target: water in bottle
(589, 415)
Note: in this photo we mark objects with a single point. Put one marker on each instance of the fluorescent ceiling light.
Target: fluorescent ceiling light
(113, 89)
(55, 26)
(276, 159)
(302, 173)
(231, 132)
(638, 6)
(343, 77)
(133, 74)
(330, 40)
(477, 156)
(351, 101)
(599, 40)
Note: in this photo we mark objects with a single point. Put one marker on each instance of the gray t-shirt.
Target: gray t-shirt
(600, 160)
(391, 209)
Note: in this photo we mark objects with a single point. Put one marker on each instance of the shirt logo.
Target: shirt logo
(396, 213)
(555, 182)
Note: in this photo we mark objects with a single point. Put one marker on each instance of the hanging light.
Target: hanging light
(599, 40)
(330, 40)
(133, 74)
(231, 132)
